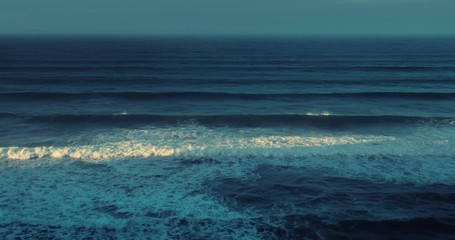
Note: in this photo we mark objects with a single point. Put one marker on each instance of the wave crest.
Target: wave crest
(144, 149)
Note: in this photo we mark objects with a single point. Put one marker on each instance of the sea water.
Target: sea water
(227, 138)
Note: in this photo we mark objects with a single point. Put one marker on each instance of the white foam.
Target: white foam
(325, 113)
(107, 151)
(181, 147)
(296, 141)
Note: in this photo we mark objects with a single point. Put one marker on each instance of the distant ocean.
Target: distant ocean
(227, 138)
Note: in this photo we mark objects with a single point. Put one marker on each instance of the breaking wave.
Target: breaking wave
(262, 145)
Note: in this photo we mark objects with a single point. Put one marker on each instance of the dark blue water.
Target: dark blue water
(227, 138)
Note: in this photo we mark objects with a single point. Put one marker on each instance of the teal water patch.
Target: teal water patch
(208, 198)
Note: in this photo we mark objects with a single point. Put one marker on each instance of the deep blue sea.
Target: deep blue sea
(227, 138)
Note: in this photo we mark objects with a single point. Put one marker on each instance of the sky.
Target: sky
(228, 17)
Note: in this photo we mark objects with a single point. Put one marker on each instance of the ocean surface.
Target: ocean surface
(227, 138)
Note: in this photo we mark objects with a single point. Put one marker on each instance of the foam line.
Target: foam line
(144, 149)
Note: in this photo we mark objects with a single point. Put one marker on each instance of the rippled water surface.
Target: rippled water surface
(227, 138)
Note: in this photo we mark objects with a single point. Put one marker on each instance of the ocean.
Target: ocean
(227, 137)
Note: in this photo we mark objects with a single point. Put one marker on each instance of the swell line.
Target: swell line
(25, 96)
(6, 115)
(237, 67)
(322, 121)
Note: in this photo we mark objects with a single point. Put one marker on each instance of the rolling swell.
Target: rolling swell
(322, 121)
(215, 80)
(263, 68)
(29, 96)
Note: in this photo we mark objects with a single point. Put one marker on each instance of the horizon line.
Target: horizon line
(226, 35)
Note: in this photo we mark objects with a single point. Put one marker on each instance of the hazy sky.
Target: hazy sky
(294, 17)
